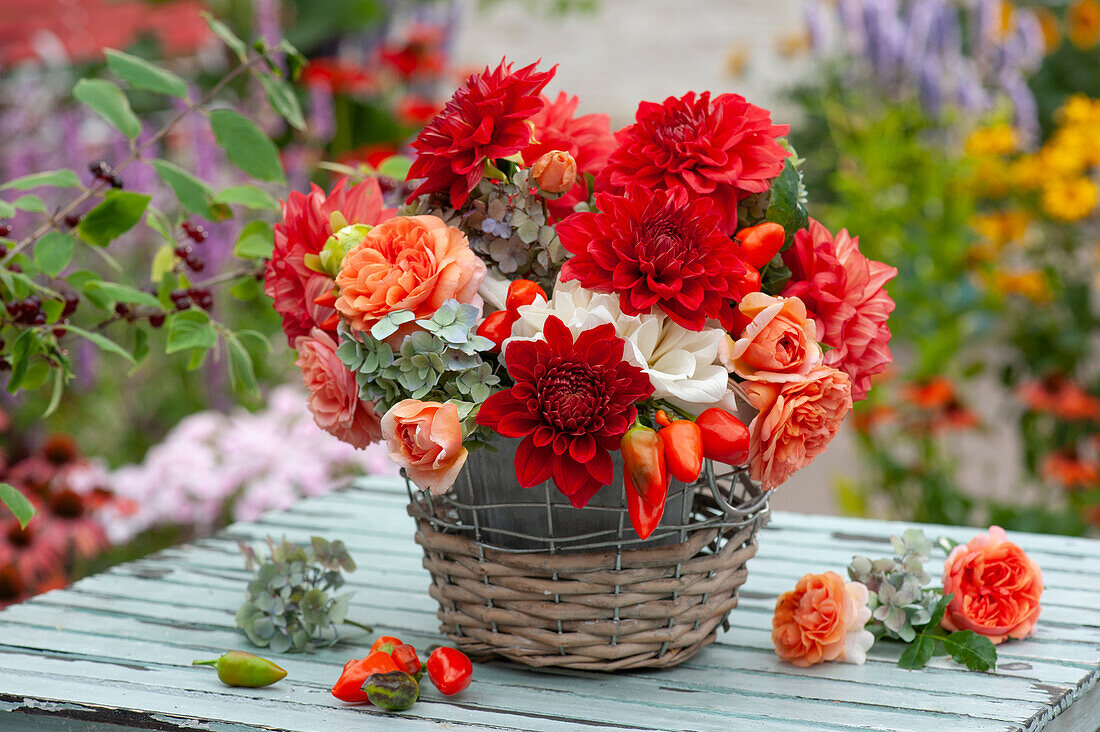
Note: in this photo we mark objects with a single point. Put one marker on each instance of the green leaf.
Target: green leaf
(142, 74)
(55, 394)
(53, 310)
(115, 215)
(190, 329)
(395, 166)
(938, 610)
(24, 347)
(60, 178)
(246, 288)
(163, 262)
(246, 145)
(283, 100)
(81, 280)
(784, 208)
(918, 653)
(974, 651)
(141, 344)
(118, 292)
(159, 223)
(257, 241)
(53, 252)
(109, 101)
(17, 503)
(295, 61)
(249, 197)
(193, 194)
(30, 203)
(241, 371)
(6, 210)
(221, 30)
(104, 343)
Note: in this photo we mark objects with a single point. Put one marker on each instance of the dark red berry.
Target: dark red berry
(5, 229)
(180, 299)
(198, 234)
(14, 307)
(14, 267)
(195, 264)
(72, 300)
(201, 297)
(182, 251)
(39, 318)
(72, 220)
(187, 227)
(122, 309)
(115, 182)
(3, 251)
(4, 365)
(31, 305)
(156, 319)
(58, 332)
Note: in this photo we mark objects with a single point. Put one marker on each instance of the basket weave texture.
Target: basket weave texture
(620, 605)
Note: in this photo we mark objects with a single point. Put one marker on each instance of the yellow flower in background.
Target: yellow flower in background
(736, 60)
(1001, 227)
(1069, 199)
(1052, 31)
(1080, 110)
(990, 177)
(1083, 23)
(1029, 283)
(793, 44)
(1000, 139)
(1027, 172)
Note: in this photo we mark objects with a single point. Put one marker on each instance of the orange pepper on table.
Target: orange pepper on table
(349, 687)
(683, 443)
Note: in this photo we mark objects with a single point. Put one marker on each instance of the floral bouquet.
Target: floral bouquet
(585, 293)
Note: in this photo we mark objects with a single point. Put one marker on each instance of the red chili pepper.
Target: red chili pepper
(522, 292)
(725, 437)
(644, 516)
(386, 644)
(349, 687)
(683, 443)
(449, 670)
(497, 327)
(760, 243)
(644, 461)
(406, 659)
(326, 299)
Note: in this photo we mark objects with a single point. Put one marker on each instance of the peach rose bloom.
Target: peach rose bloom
(333, 392)
(425, 438)
(996, 588)
(780, 342)
(822, 619)
(407, 263)
(555, 171)
(795, 422)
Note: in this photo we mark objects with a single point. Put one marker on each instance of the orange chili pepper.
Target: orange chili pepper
(644, 461)
(760, 243)
(683, 443)
(644, 517)
(349, 687)
(386, 644)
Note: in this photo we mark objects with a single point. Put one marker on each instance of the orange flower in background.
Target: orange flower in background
(822, 619)
(938, 398)
(1083, 23)
(1052, 31)
(1031, 284)
(407, 263)
(338, 77)
(868, 418)
(1001, 227)
(1061, 397)
(1070, 199)
(1070, 471)
(995, 588)
(993, 140)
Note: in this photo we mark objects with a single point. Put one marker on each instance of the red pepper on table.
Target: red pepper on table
(406, 659)
(683, 443)
(349, 687)
(760, 243)
(386, 644)
(725, 437)
(645, 477)
(449, 670)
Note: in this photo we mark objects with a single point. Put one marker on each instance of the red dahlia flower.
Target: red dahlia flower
(587, 138)
(306, 225)
(844, 293)
(658, 248)
(571, 403)
(722, 149)
(487, 118)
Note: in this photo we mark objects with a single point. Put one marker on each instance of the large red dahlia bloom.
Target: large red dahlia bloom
(587, 138)
(571, 403)
(487, 118)
(844, 292)
(722, 149)
(306, 225)
(658, 248)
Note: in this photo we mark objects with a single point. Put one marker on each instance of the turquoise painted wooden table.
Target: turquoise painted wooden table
(113, 652)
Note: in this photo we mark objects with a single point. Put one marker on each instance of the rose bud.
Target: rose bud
(555, 171)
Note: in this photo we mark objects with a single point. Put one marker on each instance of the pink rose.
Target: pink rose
(995, 587)
(780, 342)
(796, 421)
(843, 291)
(425, 438)
(333, 392)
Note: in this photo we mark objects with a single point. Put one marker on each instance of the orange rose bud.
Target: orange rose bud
(555, 171)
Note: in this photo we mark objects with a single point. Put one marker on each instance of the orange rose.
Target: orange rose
(425, 438)
(795, 422)
(333, 391)
(555, 171)
(995, 588)
(407, 263)
(822, 619)
(780, 342)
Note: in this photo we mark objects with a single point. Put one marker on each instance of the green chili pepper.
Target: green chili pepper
(238, 668)
(394, 691)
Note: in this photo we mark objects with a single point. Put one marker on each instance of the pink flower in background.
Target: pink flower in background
(333, 391)
(795, 422)
(844, 293)
(425, 438)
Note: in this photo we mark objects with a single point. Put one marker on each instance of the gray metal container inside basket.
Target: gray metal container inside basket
(488, 497)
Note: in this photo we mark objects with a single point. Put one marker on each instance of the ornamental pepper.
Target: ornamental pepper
(497, 327)
(238, 668)
(760, 243)
(725, 437)
(522, 292)
(406, 659)
(394, 691)
(644, 516)
(449, 670)
(349, 687)
(683, 443)
(644, 473)
(386, 644)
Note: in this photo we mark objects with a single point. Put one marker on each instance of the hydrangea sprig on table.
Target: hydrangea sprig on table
(587, 293)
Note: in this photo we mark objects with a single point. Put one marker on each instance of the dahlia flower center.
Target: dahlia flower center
(663, 248)
(571, 397)
(677, 131)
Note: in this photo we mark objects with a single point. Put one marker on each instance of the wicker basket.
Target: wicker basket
(598, 600)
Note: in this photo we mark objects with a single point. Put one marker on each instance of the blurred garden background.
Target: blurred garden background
(958, 139)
